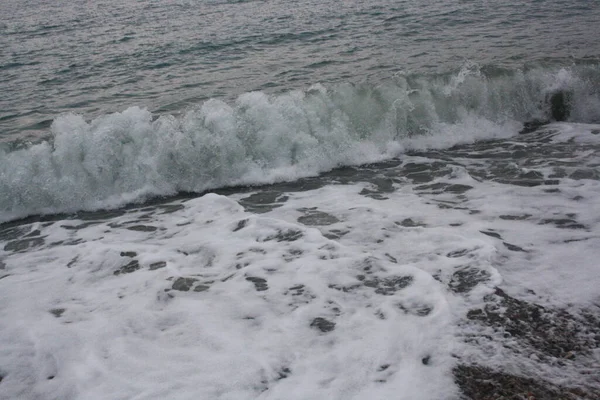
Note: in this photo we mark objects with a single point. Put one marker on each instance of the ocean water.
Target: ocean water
(299, 200)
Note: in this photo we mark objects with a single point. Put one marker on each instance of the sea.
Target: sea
(299, 200)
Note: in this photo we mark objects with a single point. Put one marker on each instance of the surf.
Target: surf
(261, 138)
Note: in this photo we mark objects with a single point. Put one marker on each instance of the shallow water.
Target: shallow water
(361, 282)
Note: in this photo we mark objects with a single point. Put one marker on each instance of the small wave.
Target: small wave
(259, 138)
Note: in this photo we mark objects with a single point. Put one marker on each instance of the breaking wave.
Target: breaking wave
(260, 138)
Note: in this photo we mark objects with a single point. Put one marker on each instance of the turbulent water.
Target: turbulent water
(299, 200)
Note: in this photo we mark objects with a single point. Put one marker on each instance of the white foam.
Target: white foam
(539, 244)
(125, 337)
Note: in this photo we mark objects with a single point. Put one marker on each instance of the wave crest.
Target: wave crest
(258, 138)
